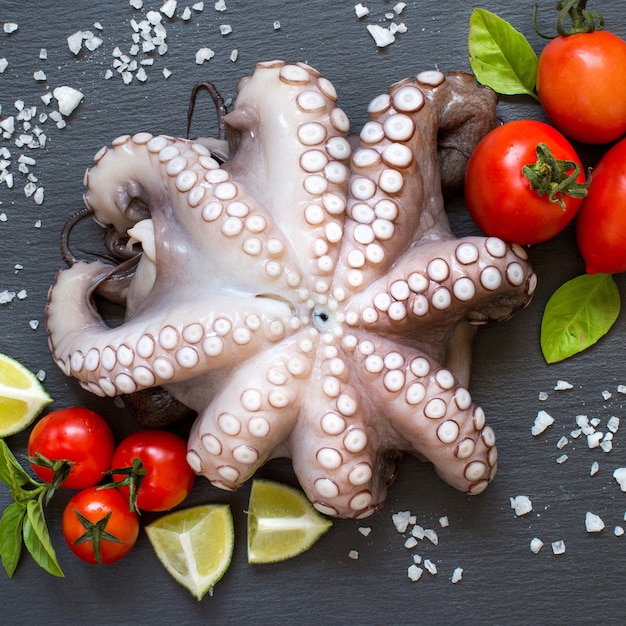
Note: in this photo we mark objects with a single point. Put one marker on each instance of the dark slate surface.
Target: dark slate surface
(503, 582)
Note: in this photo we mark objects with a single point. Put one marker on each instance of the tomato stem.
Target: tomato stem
(554, 178)
(583, 21)
(132, 478)
(61, 469)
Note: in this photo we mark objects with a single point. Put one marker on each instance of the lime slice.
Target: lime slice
(195, 545)
(22, 396)
(282, 523)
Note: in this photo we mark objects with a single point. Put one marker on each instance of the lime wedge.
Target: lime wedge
(22, 396)
(194, 545)
(282, 522)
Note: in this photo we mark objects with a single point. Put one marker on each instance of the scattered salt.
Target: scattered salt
(521, 505)
(360, 10)
(607, 395)
(594, 468)
(401, 520)
(41, 375)
(39, 75)
(418, 531)
(444, 522)
(204, 54)
(68, 99)
(34, 324)
(621, 388)
(169, 8)
(10, 27)
(594, 439)
(226, 29)
(620, 476)
(593, 523)
(562, 385)
(457, 575)
(542, 421)
(558, 547)
(365, 530)
(414, 572)
(234, 54)
(613, 424)
(382, 36)
(220, 5)
(431, 535)
(276, 25)
(411, 542)
(430, 567)
(353, 554)
(136, 4)
(6, 296)
(562, 442)
(535, 545)
(543, 396)
(560, 460)
(399, 7)
(3, 65)
(618, 531)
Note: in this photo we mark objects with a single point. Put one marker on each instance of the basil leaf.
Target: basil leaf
(11, 536)
(578, 314)
(37, 539)
(501, 56)
(11, 472)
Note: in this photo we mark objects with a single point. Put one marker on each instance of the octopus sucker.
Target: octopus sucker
(299, 289)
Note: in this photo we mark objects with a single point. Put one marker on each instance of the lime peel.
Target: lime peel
(22, 396)
(195, 545)
(282, 522)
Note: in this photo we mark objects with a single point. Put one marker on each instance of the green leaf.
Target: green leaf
(37, 539)
(11, 536)
(578, 314)
(501, 56)
(11, 472)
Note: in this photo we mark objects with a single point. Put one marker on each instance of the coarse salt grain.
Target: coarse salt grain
(457, 575)
(444, 522)
(360, 10)
(535, 545)
(594, 439)
(418, 531)
(613, 424)
(411, 542)
(204, 54)
(225, 29)
(562, 442)
(558, 547)
(431, 535)
(68, 99)
(593, 523)
(353, 554)
(560, 460)
(10, 27)
(607, 395)
(430, 567)
(621, 388)
(169, 8)
(365, 530)
(595, 467)
(618, 531)
(522, 505)
(414, 572)
(401, 520)
(543, 396)
(542, 421)
(620, 476)
(34, 324)
(382, 36)
(562, 385)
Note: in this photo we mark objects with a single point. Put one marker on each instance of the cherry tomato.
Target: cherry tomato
(168, 478)
(601, 222)
(98, 527)
(581, 86)
(499, 196)
(77, 435)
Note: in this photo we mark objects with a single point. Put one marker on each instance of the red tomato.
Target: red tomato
(601, 222)
(97, 539)
(76, 435)
(498, 195)
(581, 85)
(168, 478)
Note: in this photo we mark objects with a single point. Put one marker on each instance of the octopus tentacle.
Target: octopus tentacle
(155, 349)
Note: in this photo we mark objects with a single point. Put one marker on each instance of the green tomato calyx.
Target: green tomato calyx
(554, 178)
